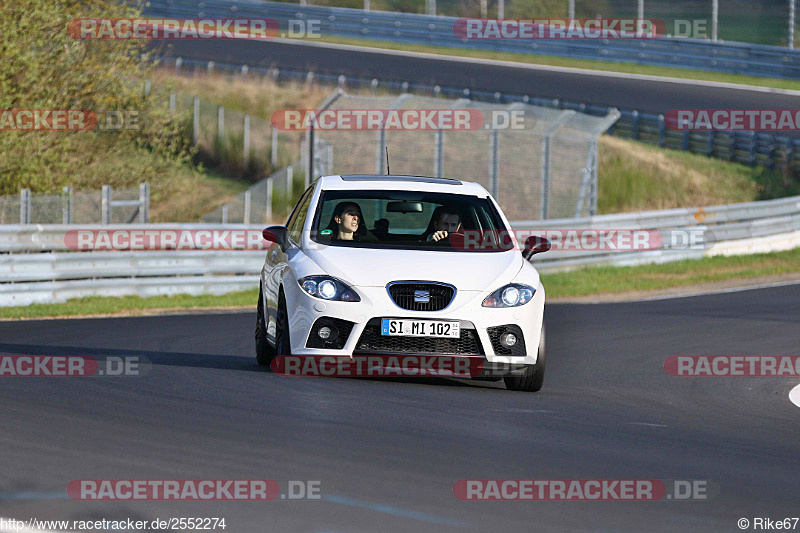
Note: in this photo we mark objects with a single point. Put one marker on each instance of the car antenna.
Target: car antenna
(388, 173)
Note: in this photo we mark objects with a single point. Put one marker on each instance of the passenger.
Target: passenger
(347, 224)
(381, 228)
(444, 221)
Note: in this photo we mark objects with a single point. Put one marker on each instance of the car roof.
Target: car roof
(403, 183)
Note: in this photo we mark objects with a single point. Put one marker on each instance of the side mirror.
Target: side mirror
(535, 245)
(276, 234)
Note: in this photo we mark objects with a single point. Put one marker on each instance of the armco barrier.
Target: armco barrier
(53, 277)
(740, 58)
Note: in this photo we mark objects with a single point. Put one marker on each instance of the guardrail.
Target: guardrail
(27, 278)
(739, 58)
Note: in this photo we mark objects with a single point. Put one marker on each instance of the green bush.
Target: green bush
(43, 67)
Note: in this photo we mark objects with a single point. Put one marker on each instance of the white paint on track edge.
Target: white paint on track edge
(534, 66)
(794, 396)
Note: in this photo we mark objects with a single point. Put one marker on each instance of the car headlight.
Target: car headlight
(328, 288)
(512, 295)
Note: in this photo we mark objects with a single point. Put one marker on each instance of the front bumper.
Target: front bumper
(305, 311)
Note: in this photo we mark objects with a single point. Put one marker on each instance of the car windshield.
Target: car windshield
(405, 220)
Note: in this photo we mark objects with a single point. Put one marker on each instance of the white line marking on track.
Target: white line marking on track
(531, 66)
(794, 396)
(707, 293)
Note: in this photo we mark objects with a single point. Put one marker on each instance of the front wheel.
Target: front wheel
(533, 378)
(264, 352)
(282, 344)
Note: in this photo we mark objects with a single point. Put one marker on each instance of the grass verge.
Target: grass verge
(608, 66)
(585, 282)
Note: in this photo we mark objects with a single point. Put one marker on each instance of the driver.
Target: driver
(444, 221)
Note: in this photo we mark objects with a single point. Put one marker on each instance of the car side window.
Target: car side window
(298, 219)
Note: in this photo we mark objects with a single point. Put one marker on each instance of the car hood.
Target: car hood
(369, 267)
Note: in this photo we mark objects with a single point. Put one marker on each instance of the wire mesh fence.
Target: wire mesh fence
(236, 143)
(537, 162)
(107, 206)
(266, 202)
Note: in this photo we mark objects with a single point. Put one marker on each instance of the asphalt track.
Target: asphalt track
(387, 452)
(623, 92)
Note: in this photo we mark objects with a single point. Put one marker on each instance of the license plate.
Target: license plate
(420, 328)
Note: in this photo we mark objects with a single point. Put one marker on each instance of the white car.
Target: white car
(385, 265)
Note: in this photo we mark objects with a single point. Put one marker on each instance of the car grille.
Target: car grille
(440, 295)
(344, 328)
(518, 350)
(372, 342)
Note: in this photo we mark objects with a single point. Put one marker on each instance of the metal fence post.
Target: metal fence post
(662, 127)
(196, 121)
(144, 202)
(225, 214)
(220, 123)
(545, 177)
(310, 146)
(269, 200)
(791, 23)
(247, 199)
(571, 9)
(714, 19)
(178, 64)
(593, 207)
(172, 102)
(289, 181)
(106, 204)
(25, 206)
(66, 206)
(246, 155)
(548, 133)
(274, 154)
(635, 126)
(438, 153)
(380, 153)
(494, 163)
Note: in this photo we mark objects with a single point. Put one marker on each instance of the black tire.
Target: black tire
(283, 345)
(264, 352)
(533, 378)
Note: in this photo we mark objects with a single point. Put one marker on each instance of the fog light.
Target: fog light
(508, 339)
(328, 333)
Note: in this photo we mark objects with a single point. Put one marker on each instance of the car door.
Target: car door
(277, 260)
